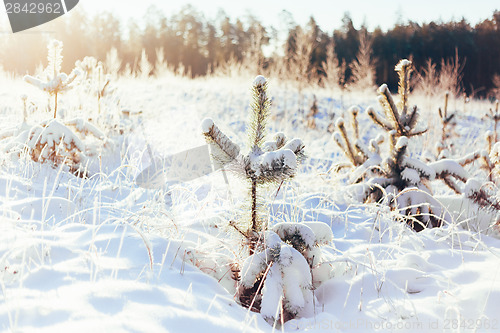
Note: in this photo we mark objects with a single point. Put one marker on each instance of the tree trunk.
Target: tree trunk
(254, 215)
(55, 106)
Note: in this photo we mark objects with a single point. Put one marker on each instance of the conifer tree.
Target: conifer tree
(267, 162)
(277, 278)
(400, 180)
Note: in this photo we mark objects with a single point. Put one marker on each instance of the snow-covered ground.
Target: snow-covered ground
(105, 254)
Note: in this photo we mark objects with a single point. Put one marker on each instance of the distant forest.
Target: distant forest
(197, 46)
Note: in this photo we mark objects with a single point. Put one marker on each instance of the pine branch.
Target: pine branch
(224, 150)
(363, 150)
(354, 111)
(280, 140)
(399, 151)
(377, 119)
(297, 147)
(452, 184)
(468, 159)
(260, 113)
(413, 119)
(404, 71)
(390, 108)
(349, 150)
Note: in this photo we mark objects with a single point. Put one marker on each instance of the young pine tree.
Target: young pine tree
(267, 162)
(276, 279)
(400, 180)
(56, 82)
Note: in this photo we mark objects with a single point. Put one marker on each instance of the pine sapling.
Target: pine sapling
(401, 181)
(113, 63)
(56, 82)
(333, 70)
(448, 121)
(277, 278)
(270, 162)
(363, 68)
(398, 120)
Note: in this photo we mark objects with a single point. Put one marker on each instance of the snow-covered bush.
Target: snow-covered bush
(56, 142)
(278, 280)
(400, 180)
(55, 82)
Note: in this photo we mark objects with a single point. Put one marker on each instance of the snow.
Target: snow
(253, 266)
(293, 145)
(322, 232)
(447, 166)
(272, 294)
(472, 186)
(58, 83)
(290, 230)
(411, 175)
(339, 122)
(402, 63)
(104, 254)
(382, 89)
(286, 157)
(85, 127)
(206, 125)
(422, 168)
(259, 80)
(52, 134)
(402, 142)
(279, 139)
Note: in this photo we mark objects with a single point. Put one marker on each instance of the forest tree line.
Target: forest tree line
(196, 46)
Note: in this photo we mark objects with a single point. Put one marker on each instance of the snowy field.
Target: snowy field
(103, 254)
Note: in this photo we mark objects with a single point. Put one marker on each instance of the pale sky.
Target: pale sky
(328, 14)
